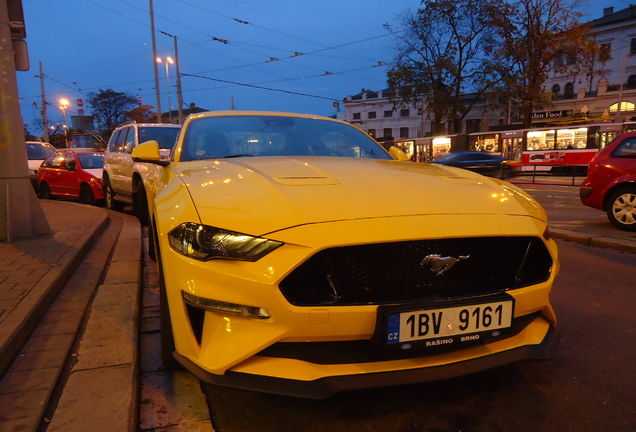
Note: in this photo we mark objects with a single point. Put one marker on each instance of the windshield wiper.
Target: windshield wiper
(237, 156)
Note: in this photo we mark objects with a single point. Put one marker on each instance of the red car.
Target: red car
(75, 174)
(611, 182)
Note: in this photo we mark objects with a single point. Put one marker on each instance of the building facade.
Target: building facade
(607, 93)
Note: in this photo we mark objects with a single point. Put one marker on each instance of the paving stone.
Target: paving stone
(29, 380)
(171, 398)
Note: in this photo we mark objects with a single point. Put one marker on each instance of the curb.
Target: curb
(591, 240)
(102, 391)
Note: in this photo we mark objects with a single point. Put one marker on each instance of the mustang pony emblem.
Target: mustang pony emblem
(440, 264)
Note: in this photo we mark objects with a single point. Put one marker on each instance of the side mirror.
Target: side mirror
(149, 152)
(398, 154)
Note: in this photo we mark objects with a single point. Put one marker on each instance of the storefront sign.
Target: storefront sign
(552, 114)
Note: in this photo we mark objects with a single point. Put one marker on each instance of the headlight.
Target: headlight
(203, 242)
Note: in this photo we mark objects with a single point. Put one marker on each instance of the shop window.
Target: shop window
(372, 114)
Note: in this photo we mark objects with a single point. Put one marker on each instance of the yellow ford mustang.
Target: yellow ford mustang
(298, 257)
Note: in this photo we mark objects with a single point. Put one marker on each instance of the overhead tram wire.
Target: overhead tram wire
(326, 48)
(261, 87)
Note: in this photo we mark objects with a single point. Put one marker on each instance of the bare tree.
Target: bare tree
(532, 34)
(443, 58)
(109, 108)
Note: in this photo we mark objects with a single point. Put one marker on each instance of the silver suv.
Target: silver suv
(120, 179)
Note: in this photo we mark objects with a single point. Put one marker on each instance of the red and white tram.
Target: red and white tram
(557, 149)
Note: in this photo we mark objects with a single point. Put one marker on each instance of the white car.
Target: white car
(37, 152)
(120, 179)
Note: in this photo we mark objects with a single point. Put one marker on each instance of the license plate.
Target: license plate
(424, 324)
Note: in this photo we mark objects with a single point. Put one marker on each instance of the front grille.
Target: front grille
(394, 273)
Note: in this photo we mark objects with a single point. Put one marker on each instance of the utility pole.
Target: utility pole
(45, 120)
(154, 61)
(179, 91)
(20, 212)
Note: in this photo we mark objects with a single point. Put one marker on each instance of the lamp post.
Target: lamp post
(167, 60)
(64, 103)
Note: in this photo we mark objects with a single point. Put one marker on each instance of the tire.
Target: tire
(621, 208)
(167, 336)
(140, 203)
(86, 195)
(45, 191)
(152, 242)
(109, 197)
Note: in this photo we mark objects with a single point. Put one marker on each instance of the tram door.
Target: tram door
(512, 146)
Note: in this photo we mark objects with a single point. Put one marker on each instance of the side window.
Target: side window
(47, 163)
(626, 149)
(112, 143)
(121, 139)
(57, 161)
(129, 144)
(69, 163)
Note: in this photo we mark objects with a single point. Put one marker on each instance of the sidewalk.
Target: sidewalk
(45, 291)
(101, 392)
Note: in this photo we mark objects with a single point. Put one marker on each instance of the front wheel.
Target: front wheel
(45, 191)
(140, 203)
(86, 195)
(621, 209)
(109, 197)
(166, 333)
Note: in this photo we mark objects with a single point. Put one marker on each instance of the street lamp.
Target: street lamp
(64, 103)
(166, 61)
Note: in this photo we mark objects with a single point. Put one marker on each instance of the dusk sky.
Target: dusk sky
(326, 50)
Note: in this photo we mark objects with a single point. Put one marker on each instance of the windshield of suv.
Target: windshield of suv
(239, 136)
(165, 136)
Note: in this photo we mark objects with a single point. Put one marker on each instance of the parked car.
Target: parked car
(297, 256)
(37, 152)
(75, 174)
(120, 180)
(481, 162)
(610, 184)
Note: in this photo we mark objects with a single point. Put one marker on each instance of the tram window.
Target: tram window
(541, 140)
(571, 138)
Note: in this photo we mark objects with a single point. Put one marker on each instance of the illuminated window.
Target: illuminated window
(625, 106)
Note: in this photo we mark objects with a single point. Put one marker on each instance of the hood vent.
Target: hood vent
(306, 180)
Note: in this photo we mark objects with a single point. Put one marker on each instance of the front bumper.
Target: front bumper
(329, 385)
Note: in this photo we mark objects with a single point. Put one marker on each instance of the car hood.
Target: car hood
(259, 195)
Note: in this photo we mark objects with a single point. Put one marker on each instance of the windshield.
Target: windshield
(165, 136)
(238, 136)
(38, 151)
(91, 161)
